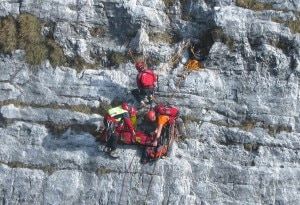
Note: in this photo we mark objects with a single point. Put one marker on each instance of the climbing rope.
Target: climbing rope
(175, 59)
(132, 56)
(154, 168)
(148, 190)
(125, 187)
(191, 65)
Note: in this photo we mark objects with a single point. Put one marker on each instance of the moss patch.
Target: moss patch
(79, 64)
(97, 32)
(160, 37)
(254, 5)
(29, 31)
(25, 33)
(55, 53)
(16, 164)
(50, 169)
(117, 58)
(218, 34)
(75, 108)
(102, 170)
(248, 125)
(275, 129)
(293, 25)
(168, 3)
(164, 37)
(8, 35)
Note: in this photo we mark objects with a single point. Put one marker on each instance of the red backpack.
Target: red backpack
(168, 110)
(147, 78)
(164, 109)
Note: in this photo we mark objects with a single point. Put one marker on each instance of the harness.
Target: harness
(111, 128)
(166, 134)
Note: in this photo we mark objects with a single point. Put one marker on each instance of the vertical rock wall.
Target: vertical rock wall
(240, 111)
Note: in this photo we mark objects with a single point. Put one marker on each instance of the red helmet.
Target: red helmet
(125, 106)
(139, 65)
(151, 115)
(132, 111)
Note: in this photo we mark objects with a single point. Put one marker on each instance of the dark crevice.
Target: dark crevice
(253, 148)
(3, 122)
(59, 129)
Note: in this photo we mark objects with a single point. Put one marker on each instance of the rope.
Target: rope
(192, 50)
(125, 183)
(154, 172)
(174, 59)
(148, 190)
(132, 56)
(191, 65)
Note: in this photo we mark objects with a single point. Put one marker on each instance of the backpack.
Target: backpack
(168, 110)
(147, 78)
(153, 153)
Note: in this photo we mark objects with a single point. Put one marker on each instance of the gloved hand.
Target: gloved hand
(154, 143)
(152, 133)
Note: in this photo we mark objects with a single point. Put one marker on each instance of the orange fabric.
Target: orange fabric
(163, 120)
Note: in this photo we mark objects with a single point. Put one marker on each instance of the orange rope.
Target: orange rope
(191, 65)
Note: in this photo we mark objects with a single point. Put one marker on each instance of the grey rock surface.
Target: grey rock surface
(241, 110)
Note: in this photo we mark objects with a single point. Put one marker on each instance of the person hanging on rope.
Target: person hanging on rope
(118, 119)
(145, 81)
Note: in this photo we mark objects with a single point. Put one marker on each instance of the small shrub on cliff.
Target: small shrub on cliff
(259, 6)
(38, 48)
(25, 33)
(29, 31)
(35, 53)
(248, 125)
(8, 35)
(168, 3)
(253, 5)
(293, 25)
(172, 38)
(79, 64)
(81, 108)
(160, 37)
(117, 58)
(219, 35)
(97, 32)
(56, 54)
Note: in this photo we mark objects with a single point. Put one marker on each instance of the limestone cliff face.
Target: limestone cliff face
(241, 111)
